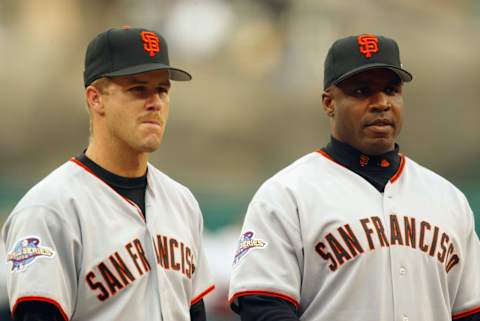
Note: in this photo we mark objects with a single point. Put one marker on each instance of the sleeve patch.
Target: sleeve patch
(246, 244)
(26, 251)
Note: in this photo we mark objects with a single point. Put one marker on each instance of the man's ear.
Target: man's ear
(328, 103)
(94, 100)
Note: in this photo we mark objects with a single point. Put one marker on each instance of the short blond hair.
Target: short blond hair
(102, 85)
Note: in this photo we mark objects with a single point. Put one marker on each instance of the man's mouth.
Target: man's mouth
(380, 123)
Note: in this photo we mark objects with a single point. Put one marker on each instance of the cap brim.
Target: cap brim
(401, 73)
(175, 73)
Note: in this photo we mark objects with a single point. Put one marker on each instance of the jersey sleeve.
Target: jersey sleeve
(202, 283)
(467, 301)
(269, 258)
(41, 259)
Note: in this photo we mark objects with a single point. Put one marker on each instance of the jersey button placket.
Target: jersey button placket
(399, 265)
(150, 226)
(388, 211)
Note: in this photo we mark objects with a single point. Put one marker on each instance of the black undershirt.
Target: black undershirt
(131, 188)
(377, 170)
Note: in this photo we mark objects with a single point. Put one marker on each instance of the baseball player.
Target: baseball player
(356, 230)
(107, 236)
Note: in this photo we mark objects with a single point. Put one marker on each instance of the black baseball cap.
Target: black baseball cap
(354, 54)
(127, 51)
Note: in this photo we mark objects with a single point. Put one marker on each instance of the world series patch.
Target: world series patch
(246, 244)
(26, 251)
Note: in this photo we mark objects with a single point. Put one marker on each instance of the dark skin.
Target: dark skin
(366, 110)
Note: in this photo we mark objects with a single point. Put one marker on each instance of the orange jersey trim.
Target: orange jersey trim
(266, 293)
(203, 294)
(325, 155)
(400, 169)
(79, 163)
(394, 178)
(466, 313)
(42, 299)
(321, 152)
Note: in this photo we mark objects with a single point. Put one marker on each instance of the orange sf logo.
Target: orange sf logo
(150, 42)
(368, 44)
(364, 160)
(384, 163)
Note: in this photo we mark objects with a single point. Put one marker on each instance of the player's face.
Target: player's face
(366, 110)
(136, 110)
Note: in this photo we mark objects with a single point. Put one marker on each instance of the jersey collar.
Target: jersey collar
(377, 169)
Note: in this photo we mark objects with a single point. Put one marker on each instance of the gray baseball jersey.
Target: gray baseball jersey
(74, 242)
(3, 272)
(322, 237)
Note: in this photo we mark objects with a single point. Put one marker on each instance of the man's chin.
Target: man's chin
(151, 148)
(377, 146)
(150, 145)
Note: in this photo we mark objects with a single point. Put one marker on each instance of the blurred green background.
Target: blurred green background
(254, 105)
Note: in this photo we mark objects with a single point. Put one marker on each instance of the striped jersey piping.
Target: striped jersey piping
(466, 313)
(266, 293)
(42, 299)
(203, 294)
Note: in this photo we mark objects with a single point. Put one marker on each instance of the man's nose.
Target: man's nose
(380, 102)
(154, 101)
